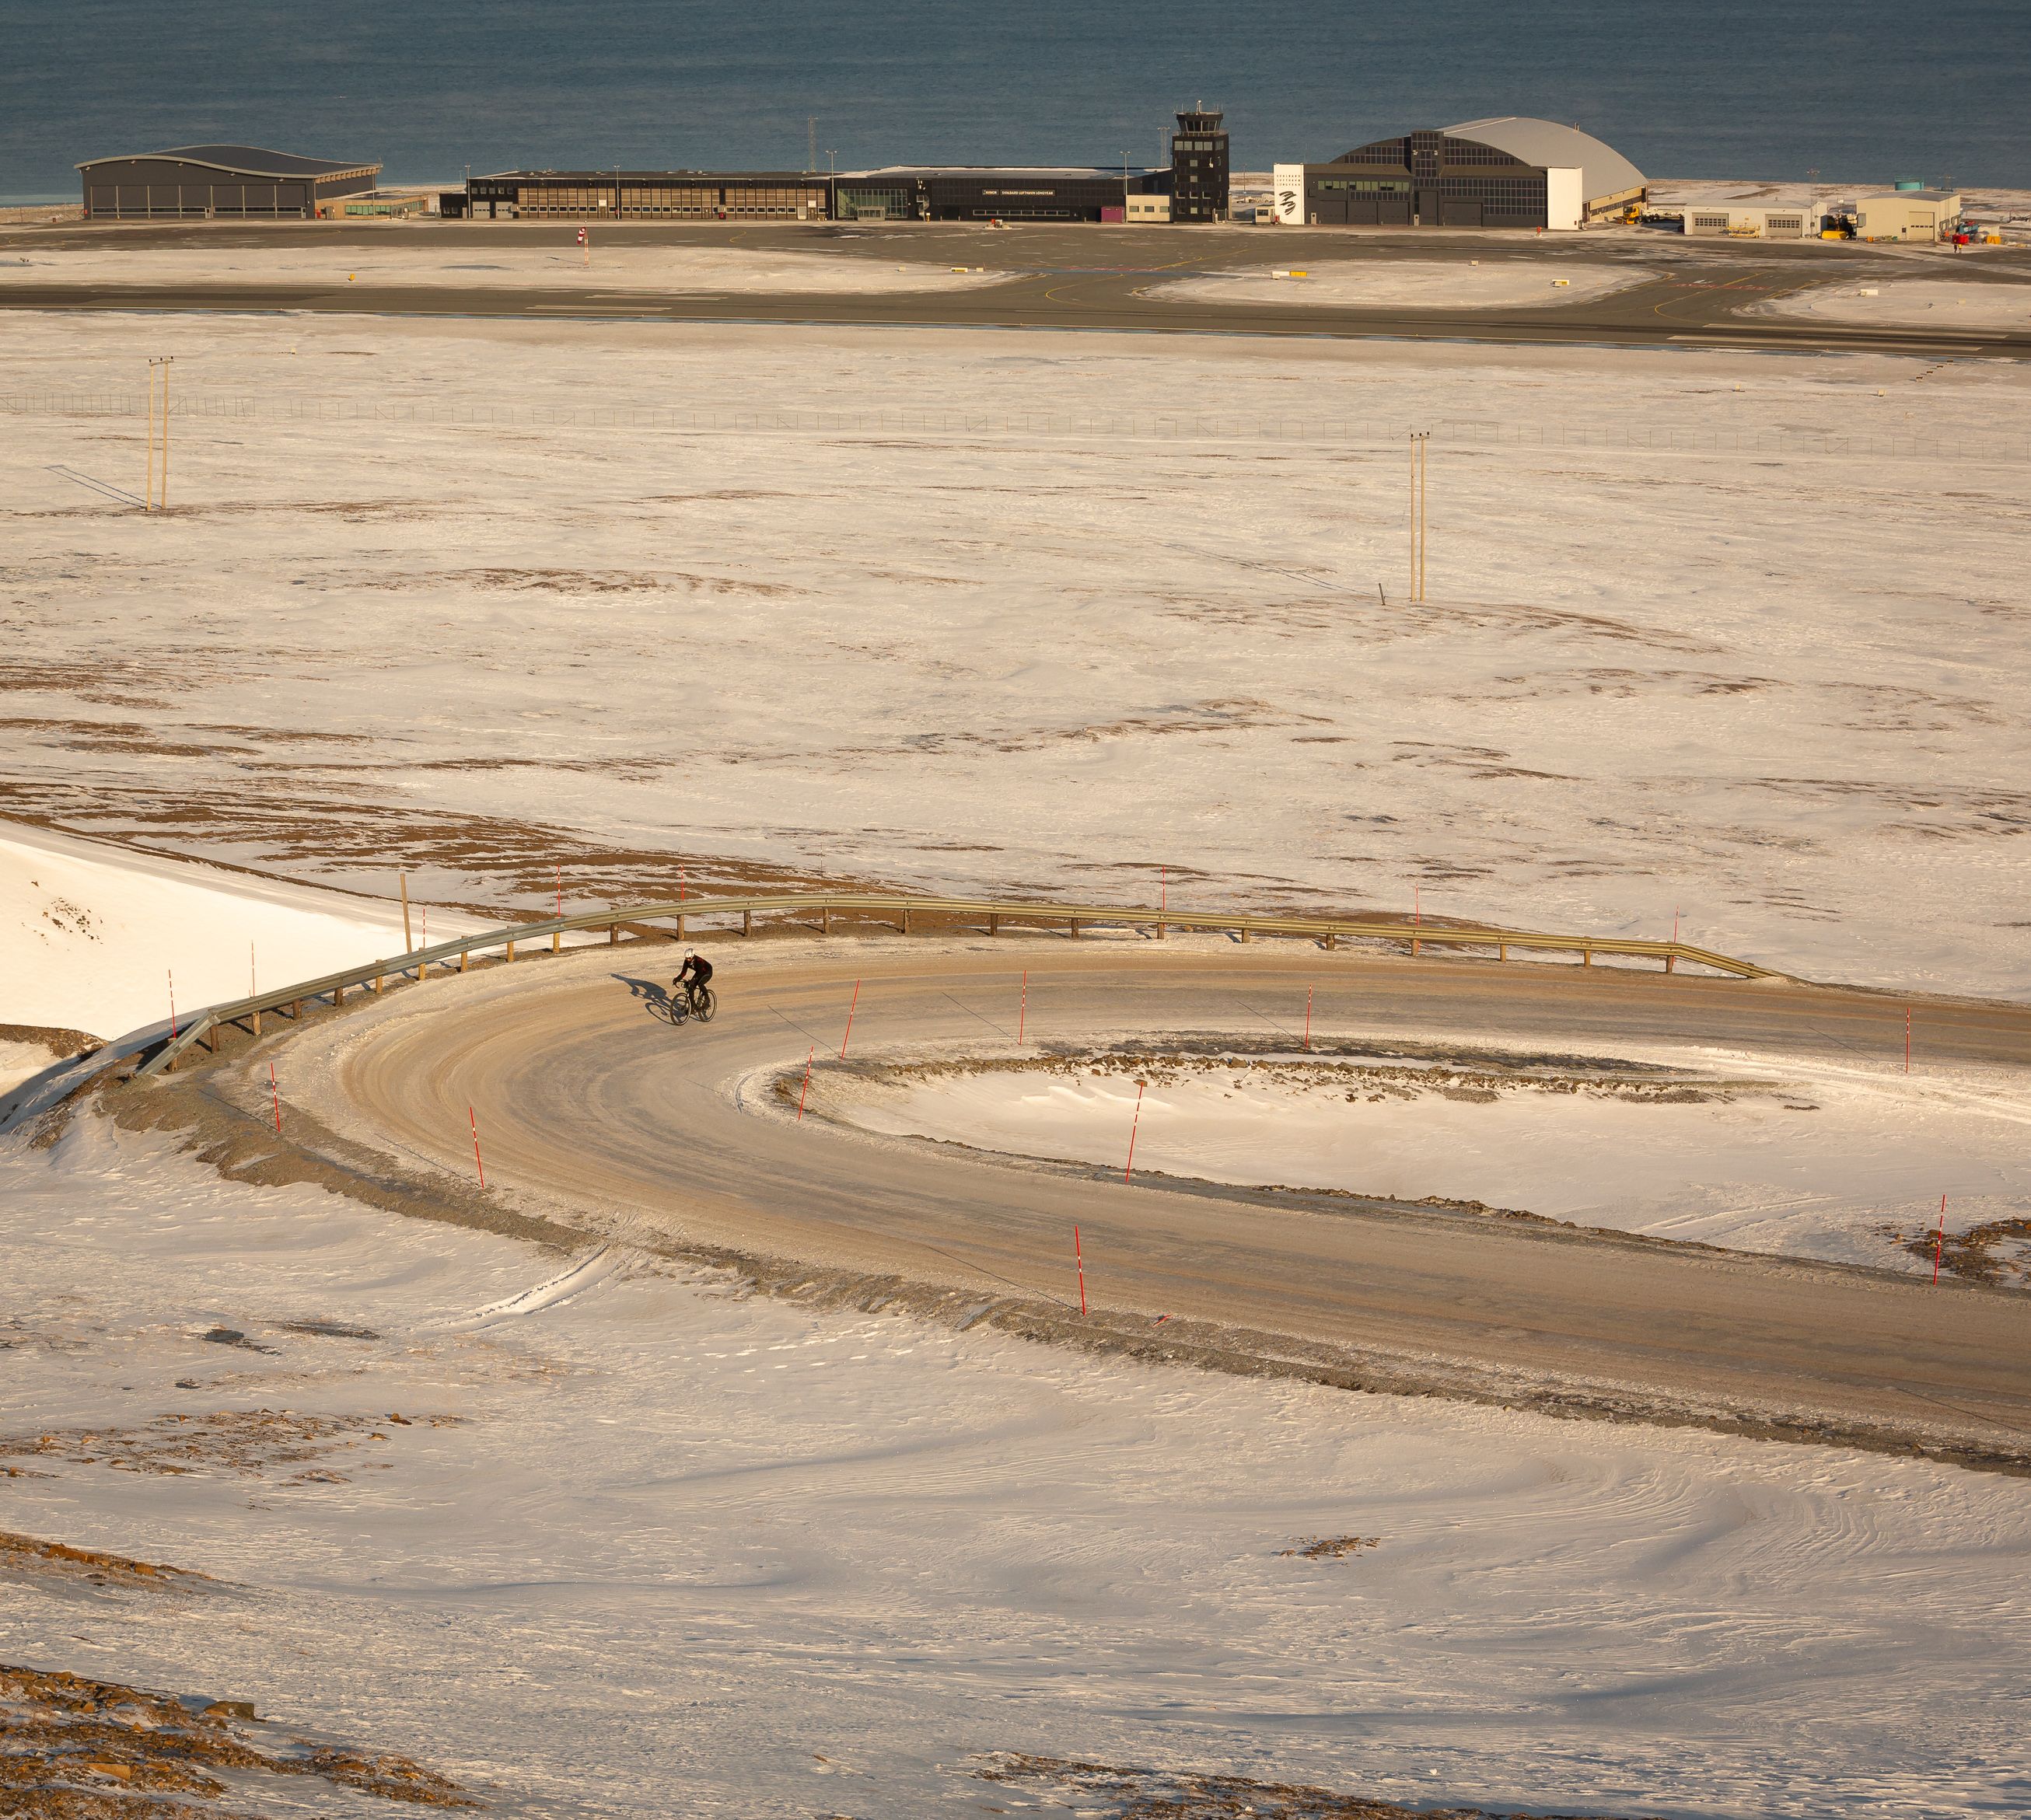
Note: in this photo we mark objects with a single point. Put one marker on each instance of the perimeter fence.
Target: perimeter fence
(1175, 427)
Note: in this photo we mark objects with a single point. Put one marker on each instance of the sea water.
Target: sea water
(1860, 90)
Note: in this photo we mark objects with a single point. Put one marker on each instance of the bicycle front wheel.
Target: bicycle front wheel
(704, 1005)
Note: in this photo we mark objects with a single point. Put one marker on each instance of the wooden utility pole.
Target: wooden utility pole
(158, 496)
(1418, 439)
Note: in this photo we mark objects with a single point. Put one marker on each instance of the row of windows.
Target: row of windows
(1517, 190)
(666, 198)
(1448, 152)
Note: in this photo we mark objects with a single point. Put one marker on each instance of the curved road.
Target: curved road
(585, 1098)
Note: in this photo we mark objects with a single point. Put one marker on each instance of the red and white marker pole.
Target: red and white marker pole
(560, 891)
(1023, 1010)
(1308, 1019)
(1134, 1124)
(850, 1009)
(1907, 1039)
(172, 973)
(1079, 1257)
(1939, 1243)
(474, 1122)
(806, 1087)
(275, 1094)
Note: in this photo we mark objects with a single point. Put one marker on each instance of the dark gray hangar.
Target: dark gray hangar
(1509, 173)
(202, 182)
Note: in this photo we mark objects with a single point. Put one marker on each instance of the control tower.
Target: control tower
(1199, 166)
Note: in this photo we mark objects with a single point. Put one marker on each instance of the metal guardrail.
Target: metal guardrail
(205, 1025)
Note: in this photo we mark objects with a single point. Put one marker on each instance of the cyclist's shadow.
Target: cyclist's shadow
(655, 997)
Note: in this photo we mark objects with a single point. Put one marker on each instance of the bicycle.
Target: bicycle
(698, 1002)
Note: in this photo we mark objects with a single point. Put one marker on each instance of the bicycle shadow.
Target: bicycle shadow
(655, 997)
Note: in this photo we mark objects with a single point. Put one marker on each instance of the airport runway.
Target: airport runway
(1094, 279)
(586, 1100)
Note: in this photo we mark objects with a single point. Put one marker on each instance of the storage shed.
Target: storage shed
(1906, 214)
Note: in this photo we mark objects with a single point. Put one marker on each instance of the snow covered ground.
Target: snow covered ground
(593, 1540)
(1988, 302)
(1377, 283)
(487, 263)
(94, 937)
(1041, 614)
(1817, 1161)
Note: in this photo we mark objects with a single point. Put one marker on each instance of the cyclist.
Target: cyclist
(692, 978)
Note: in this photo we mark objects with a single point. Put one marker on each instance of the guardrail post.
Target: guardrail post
(903, 928)
(1502, 950)
(1586, 954)
(825, 919)
(1074, 922)
(747, 922)
(257, 1022)
(464, 958)
(1671, 963)
(1417, 946)
(377, 985)
(993, 923)
(1333, 940)
(297, 1010)
(680, 926)
(338, 994)
(511, 951)
(1244, 932)
(556, 941)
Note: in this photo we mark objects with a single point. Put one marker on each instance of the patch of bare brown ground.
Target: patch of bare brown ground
(76, 1749)
(61, 1044)
(252, 1443)
(1329, 1547)
(1132, 1794)
(1972, 1253)
(29, 1557)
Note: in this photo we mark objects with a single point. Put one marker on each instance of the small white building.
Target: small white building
(1753, 221)
(1907, 215)
(1148, 208)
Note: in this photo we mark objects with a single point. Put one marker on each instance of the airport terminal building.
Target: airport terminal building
(1510, 173)
(203, 183)
(895, 193)
(640, 196)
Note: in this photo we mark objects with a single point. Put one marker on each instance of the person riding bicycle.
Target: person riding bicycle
(692, 979)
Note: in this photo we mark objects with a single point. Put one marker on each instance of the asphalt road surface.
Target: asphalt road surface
(1094, 279)
(586, 1098)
